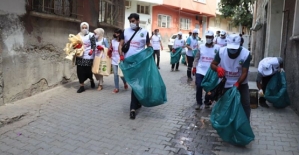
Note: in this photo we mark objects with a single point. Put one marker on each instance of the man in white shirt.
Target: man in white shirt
(178, 42)
(202, 62)
(137, 44)
(266, 69)
(157, 45)
(221, 41)
(233, 62)
(192, 45)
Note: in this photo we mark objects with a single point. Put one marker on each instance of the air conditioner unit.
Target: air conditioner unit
(128, 4)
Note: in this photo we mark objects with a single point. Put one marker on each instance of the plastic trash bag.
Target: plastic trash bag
(175, 57)
(229, 119)
(141, 73)
(210, 80)
(276, 91)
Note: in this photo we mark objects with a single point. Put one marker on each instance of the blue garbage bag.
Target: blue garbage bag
(210, 80)
(229, 119)
(175, 57)
(141, 73)
(276, 91)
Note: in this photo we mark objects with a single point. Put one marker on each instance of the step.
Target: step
(252, 74)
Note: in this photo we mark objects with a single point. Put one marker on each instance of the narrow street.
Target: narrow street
(62, 122)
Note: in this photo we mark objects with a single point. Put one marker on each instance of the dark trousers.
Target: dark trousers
(157, 53)
(265, 81)
(198, 81)
(84, 73)
(245, 98)
(176, 65)
(134, 102)
(190, 63)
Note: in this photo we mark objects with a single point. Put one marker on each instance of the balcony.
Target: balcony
(111, 13)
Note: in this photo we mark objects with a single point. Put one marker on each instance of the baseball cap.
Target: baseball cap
(222, 33)
(195, 31)
(267, 69)
(180, 33)
(233, 41)
(209, 33)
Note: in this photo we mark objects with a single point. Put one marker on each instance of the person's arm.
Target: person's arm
(93, 43)
(245, 68)
(196, 59)
(259, 78)
(188, 43)
(161, 43)
(215, 62)
(121, 43)
(148, 41)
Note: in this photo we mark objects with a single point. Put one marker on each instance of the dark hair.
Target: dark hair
(118, 31)
(217, 31)
(190, 32)
(134, 15)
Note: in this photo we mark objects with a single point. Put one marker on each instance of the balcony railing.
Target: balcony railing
(65, 8)
(111, 12)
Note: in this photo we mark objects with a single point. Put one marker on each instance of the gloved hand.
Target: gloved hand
(78, 46)
(173, 50)
(281, 70)
(220, 72)
(237, 84)
(194, 71)
(100, 48)
(122, 58)
(109, 53)
(90, 52)
(261, 93)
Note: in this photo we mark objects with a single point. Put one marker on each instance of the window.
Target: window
(201, 1)
(230, 26)
(67, 8)
(185, 24)
(110, 12)
(164, 21)
(217, 22)
(143, 9)
(295, 35)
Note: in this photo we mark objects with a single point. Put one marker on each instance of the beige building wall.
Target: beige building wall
(220, 23)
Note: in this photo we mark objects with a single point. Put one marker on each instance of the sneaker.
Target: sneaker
(202, 106)
(92, 84)
(115, 91)
(190, 79)
(197, 107)
(132, 114)
(172, 70)
(126, 86)
(158, 67)
(81, 89)
(177, 70)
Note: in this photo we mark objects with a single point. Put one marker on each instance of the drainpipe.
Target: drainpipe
(286, 35)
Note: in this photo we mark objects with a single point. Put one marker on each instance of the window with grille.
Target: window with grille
(185, 24)
(164, 21)
(110, 12)
(143, 9)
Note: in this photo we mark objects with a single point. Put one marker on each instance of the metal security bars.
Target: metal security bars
(111, 12)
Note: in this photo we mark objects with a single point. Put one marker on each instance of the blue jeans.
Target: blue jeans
(198, 81)
(116, 79)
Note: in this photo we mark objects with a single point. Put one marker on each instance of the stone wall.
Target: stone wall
(32, 56)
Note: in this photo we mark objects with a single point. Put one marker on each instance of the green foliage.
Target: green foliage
(240, 11)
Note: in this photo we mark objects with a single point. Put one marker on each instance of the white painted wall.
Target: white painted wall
(143, 17)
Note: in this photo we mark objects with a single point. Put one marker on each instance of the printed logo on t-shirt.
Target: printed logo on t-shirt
(216, 51)
(241, 62)
(141, 35)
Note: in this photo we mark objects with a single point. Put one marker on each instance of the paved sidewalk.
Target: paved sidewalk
(62, 122)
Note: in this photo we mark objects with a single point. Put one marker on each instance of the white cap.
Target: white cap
(195, 31)
(267, 69)
(209, 33)
(233, 41)
(222, 32)
(180, 33)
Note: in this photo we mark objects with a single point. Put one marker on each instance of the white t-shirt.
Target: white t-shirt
(221, 42)
(178, 43)
(138, 42)
(115, 55)
(87, 45)
(156, 42)
(193, 44)
(207, 55)
(233, 67)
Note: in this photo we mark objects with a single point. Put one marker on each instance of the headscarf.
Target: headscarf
(100, 32)
(84, 23)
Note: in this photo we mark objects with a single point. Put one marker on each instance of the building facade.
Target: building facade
(33, 35)
(275, 32)
(177, 15)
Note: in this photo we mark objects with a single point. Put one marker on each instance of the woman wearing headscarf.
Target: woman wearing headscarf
(100, 41)
(114, 55)
(84, 63)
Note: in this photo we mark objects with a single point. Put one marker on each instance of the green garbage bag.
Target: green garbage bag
(210, 80)
(276, 91)
(141, 73)
(229, 119)
(175, 57)
(194, 52)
